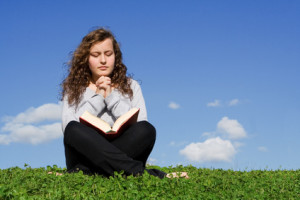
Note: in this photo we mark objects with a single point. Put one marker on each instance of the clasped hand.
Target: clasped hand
(104, 86)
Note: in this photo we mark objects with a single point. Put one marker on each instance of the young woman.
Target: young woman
(97, 82)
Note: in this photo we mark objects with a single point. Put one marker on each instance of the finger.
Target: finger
(102, 92)
(99, 81)
(103, 79)
(105, 84)
(107, 80)
(108, 91)
(106, 77)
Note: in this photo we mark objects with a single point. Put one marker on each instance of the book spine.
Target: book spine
(108, 135)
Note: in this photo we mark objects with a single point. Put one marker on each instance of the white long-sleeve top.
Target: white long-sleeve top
(109, 109)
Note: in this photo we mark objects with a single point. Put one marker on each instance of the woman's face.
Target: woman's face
(102, 59)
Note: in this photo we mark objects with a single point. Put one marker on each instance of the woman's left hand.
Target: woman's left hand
(104, 86)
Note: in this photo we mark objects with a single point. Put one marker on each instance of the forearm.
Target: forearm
(95, 104)
(117, 104)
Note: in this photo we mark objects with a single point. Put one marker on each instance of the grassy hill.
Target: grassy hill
(36, 183)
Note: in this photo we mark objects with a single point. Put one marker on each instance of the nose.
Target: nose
(102, 59)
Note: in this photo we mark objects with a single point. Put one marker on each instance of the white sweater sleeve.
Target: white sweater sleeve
(138, 101)
(118, 104)
(93, 103)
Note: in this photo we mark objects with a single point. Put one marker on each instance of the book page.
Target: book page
(96, 121)
(120, 121)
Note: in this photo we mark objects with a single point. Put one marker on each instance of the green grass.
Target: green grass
(35, 183)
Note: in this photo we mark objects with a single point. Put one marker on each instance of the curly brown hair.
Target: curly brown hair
(80, 74)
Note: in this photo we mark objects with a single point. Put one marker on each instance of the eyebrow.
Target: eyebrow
(100, 52)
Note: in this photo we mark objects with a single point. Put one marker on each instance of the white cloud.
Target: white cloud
(31, 134)
(216, 147)
(216, 103)
(24, 127)
(45, 112)
(238, 144)
(231, 128)
(178, 144)
(174, 105)
(213, 149)
(262, 149)
(234, 102)
(209, 134)
(172, 143)
(4, 139)
(151, 161)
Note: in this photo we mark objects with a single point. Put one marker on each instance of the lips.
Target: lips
(102, 67)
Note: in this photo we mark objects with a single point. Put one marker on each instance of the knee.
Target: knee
(71, 126)
(70, 130)
(147, 130)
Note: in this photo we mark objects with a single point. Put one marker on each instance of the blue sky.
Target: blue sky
(220, 78)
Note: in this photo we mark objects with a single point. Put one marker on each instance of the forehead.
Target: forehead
(103, 45)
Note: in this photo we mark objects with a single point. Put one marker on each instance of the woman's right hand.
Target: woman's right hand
(103, 85)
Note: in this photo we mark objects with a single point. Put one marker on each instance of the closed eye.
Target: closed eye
(108, 53)
(94, 54)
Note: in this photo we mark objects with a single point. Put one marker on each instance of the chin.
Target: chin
(104, 74)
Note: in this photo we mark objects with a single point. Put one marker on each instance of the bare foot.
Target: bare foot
(56, 173)
(178, 175)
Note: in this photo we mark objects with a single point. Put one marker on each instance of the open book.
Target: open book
(120, 125)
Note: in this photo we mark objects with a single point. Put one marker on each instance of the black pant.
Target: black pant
(87, 150)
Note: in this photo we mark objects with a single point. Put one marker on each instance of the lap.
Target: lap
(134, 141)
